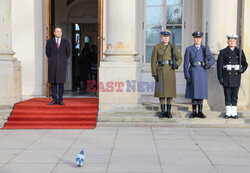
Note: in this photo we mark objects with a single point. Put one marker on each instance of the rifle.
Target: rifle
(173, 48)
(240, 46)
(206, 48)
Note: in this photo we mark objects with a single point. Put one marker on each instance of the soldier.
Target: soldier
(163, 70)
(229, 70)
(195, 71)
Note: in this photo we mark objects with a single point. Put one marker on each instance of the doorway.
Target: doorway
(81, 22)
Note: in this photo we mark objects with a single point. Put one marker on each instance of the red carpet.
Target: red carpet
(78, 113)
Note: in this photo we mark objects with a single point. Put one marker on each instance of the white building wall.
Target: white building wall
(28, 43)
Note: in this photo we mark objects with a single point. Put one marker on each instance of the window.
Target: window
(162, 14)
(77, 36)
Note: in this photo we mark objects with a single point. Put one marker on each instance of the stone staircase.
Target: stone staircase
(148, 116)
(5, 111)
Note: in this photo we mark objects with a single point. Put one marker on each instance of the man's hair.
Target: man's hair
(57, 27)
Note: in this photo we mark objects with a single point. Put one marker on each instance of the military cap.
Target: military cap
(197, 34)
(166, 33)
(232, 36)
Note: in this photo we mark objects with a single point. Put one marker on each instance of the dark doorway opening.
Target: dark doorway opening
(84, 56)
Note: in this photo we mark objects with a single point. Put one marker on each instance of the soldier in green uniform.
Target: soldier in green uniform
(163, 68)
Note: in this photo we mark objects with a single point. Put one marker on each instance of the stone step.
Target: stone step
(5, 107)
(210, 121)
(148, 116)
(183, 124)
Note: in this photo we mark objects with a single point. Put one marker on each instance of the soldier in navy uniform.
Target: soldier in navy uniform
(195, 71)
(229, 72)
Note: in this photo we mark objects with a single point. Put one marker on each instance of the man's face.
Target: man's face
(231, 42)
(197, 40)
(165, 39)
(58, 32)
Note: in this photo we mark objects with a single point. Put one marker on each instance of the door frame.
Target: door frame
(49, 28)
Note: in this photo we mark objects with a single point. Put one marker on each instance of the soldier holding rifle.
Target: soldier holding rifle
(231, 64)
(165, 59)
(197, 60)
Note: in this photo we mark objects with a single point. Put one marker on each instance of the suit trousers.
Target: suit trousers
(54, 90)
(231, 95)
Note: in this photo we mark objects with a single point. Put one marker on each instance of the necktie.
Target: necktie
(57, 43)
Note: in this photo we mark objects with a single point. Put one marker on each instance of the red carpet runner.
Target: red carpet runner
(78, 113)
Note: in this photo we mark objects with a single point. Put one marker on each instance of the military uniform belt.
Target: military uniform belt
(197, 63)
(230, 67)
(162, 63)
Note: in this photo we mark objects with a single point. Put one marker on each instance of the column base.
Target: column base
(10, 81)
(127, 75)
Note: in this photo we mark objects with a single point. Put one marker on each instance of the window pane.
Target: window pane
(77, 27)
(178, 33)
(154, 15)
(174, 15)
(153, 35)
(180, 47)
(149, 49)
(153, 2)
(174, 2)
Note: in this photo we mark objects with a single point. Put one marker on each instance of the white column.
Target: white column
(6, 52)
(244, 97)
(119, 65)
(221, 21)
(121, 30)
(10, 68)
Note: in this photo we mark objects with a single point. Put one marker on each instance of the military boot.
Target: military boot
(162, 111)
(194, 113)
(200, 113)
(168, 113)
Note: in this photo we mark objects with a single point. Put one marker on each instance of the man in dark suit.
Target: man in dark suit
(229, 71)
(58, 52)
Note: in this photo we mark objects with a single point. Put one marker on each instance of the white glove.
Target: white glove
(229, 67)
(237, 67)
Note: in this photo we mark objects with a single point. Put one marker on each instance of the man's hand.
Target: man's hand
(174, 66)
(221, 81)
(156, 78)
(188, 80)
(241, 70)
(207, 66)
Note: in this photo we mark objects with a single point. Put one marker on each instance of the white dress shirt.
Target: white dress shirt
(59, 39)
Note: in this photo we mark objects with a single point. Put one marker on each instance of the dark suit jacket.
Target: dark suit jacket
(57, 60)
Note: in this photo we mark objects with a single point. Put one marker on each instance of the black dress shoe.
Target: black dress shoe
(227, 116)
(235, 117)
(53, 102)
(61, 103)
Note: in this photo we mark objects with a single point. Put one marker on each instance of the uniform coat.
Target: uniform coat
(198, 87)
(166, 86)
(57, 60)
(226, 57)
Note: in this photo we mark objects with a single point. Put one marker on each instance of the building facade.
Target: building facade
(124, 32)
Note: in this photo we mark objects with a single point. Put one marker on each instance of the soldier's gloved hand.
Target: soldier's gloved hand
(221, 81)
(207, 66)
(188, 80)
(241, 70)
(156, 78)
(174, 66)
